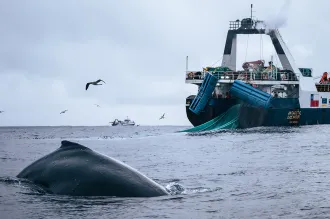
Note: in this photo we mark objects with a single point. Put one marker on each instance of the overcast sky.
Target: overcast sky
(50, 49)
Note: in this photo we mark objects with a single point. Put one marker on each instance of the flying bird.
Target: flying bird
(2, 111)
(162, 117)
(94, 83)
(63, 111)
(97, 105)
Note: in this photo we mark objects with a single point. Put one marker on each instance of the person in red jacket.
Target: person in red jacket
(324, 78)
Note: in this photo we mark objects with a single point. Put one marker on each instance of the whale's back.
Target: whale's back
(74, 169)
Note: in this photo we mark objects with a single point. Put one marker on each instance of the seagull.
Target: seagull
(162, 117)
(63, 111)
(97, 105)
(94, 83)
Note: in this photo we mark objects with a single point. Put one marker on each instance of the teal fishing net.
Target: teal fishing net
(227, 120)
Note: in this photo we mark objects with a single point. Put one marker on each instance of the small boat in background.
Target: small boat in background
(126, 122)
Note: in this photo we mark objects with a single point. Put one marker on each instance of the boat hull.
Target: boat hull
(285, 112)
(253, 117)
(212, 110)
(124, 125)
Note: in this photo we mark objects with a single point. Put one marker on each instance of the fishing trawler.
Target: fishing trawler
(259, 94)
(126, 122)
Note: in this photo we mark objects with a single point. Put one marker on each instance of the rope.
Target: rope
(216, 62)
(261, 48)
(286, 48)
(277, 59)
(247, 46)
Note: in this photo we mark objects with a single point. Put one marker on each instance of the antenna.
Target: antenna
(251, 10)
(186, 63)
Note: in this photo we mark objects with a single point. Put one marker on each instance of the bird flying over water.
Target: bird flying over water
(63, 111)
(162, 117)
(94, 83)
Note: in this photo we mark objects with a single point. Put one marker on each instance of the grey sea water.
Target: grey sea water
(253, 173)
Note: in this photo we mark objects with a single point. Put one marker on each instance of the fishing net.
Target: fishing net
(227, 120)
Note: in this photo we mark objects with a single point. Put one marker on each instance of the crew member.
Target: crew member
(324, 78)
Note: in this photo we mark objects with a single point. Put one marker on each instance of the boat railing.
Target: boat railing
(322, 87)
(260, 76)
(195, 75)
(233, 75)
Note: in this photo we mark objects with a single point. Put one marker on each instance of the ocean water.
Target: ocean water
(253, 173)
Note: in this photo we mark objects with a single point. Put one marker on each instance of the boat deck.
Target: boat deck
(197, 77)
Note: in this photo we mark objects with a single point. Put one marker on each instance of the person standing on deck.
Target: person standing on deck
(271, 68)
(324, 78)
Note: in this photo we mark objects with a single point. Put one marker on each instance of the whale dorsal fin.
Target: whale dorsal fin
(72, 145)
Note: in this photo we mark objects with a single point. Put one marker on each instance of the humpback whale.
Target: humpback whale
(76, 170)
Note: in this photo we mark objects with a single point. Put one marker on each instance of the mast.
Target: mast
(251, 10)
(248, 26)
